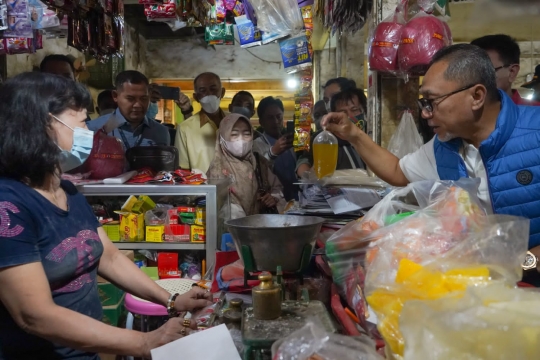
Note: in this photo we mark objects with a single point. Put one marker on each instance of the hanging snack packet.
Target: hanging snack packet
(295, 53)
(155, 12)
(247, 33)
(219, 34)
(16, 45)
(238, 9)
(3, 17)
(2, 46)
(19, 25)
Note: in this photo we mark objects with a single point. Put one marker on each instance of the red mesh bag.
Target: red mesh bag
(384, 44)
(421, 38)
(107, 158)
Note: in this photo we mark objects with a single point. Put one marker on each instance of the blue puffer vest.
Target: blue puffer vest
(511, 156)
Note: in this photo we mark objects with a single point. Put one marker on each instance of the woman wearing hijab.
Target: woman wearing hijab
(234, 160)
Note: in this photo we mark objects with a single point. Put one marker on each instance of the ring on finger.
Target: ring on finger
(187, 323)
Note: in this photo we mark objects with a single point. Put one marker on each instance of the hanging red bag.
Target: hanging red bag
(421, 38)
(384, 44)
(107, 158)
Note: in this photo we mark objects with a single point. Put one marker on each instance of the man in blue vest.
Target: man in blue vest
(480, 133)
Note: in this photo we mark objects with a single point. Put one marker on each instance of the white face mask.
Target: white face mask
(83, 141)
(210, 104)
(239, 148)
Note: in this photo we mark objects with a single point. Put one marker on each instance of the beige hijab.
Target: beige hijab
(241, 172)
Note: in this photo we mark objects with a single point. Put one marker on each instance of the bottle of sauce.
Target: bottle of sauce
(325, 154)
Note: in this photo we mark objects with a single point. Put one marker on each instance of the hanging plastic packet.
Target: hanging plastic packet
(278, 16)
(302, 127)
(2, 46)
(219, 34)
(295, 53)
(38, 40)
(247, 33)
(156, 12)
(270, 37)
(238, 9)
(220, 11)
(110, 40)
(17, 45)
(19, 7)
(19, 25)
(307, 15)
(3, 17)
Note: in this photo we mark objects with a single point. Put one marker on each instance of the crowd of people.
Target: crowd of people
(52, 247)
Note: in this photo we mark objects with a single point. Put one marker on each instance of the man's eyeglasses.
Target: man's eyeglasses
(427, 104)
(502, 67)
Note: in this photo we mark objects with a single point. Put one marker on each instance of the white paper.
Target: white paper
(347, 199)
(213, 344)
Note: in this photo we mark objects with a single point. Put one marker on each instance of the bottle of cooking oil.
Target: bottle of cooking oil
(325, 154)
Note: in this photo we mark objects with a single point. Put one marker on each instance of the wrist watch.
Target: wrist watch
(530, 262)
(170, 305)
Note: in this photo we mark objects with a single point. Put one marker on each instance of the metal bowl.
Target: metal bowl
(275, 239)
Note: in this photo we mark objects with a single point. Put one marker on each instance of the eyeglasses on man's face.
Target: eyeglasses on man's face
(427, 104)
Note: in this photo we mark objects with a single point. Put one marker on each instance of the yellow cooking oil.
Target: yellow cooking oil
(325, 154)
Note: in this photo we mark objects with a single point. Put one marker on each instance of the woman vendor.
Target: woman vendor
(51, 245)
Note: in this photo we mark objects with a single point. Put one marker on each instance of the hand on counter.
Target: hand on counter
(173, 329)
(340, 125)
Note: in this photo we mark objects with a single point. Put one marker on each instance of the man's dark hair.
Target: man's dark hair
(205, 74)
(242, 92)
(28, 151)
(105, 100)
(349, 95)
(505, 46)
(266, 103)
(130, 77)
(344, 83)
(468, 64)
(58, 58)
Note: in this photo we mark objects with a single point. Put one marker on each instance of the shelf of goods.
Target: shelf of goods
(217, 196)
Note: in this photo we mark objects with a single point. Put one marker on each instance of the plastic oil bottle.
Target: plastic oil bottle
(325, 154)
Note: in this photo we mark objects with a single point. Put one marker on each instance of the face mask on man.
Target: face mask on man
(83, 141)
(152, 111)
(239, 148)
(242, 111)
(210, 104)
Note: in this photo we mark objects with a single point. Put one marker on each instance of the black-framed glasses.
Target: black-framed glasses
(427, 104)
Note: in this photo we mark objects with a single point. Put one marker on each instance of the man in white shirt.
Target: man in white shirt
(480, 133)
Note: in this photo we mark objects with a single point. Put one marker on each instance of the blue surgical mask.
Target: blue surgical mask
(242, 111)
(83, 141)
(359, 120)
(152, 111)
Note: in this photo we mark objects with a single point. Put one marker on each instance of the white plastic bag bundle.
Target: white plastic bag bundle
(406, 139)
(278, 16)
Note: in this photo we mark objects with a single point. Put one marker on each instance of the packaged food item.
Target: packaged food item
(157, 216)
(200, 216)
(238, 9)
(219, 34)
(247, 33)
(168, 266)
(177, 233)
(15, 45)
(203, 317)
(155, 12)
(198, 234)
(131, 226)
(113, 230)
(155, 233)
(19, 26)
(295, 53)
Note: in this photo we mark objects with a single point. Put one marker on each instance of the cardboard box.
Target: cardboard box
(113, 230)
(198, 234)
(138, 205)
(112, 314)
(155, 233)
(168, 266)
(177, 233)
(131, 227)
(109, 294)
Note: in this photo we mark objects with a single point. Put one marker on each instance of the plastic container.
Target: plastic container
(325, 154)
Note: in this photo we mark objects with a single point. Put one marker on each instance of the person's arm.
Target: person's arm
(119, 270)
(25, 292)
(263, 149)
(382, 162)
(181, 145)
(184, 103)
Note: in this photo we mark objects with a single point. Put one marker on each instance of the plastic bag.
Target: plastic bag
(107, 158)
(384, 44)
(278, 16)
(493, 322)
(428, 256)
(354, 177)
(347, 248)
(406, 138)
(421, 38)
(313, 343)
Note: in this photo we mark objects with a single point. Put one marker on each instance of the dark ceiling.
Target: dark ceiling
(134, 16)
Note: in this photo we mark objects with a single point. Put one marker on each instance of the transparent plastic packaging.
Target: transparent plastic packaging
(384, 43)
(421, 38)
(325, 154)
(313, 343)
(493, 322)
(278, 16)
(406, 138)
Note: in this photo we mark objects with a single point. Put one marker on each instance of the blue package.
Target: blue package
(247, 33)
(295, 53)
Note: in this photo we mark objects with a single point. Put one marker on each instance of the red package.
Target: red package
(421, 38)
(17, 45)
(165, 11)
(168, 266)
(182, 172)
(354, 288)
(107, 158)
(383, 49)
(143, 176)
